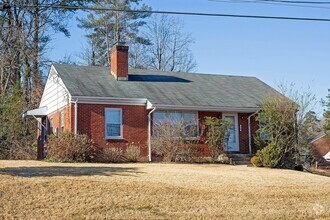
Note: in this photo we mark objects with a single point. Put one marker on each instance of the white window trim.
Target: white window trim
(167, 113)
(121, 124)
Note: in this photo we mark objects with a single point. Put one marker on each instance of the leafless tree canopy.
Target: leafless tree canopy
(169, 48)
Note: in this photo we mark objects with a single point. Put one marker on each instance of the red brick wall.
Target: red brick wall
(244, 132)
(119, 61)
(68, 118)
(321, 147)
(242, 126)
(91, 121)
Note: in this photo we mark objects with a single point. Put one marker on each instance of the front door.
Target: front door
(233, 142)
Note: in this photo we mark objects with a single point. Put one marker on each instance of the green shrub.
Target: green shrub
(68, 147)
(270, 156)
(217, 135)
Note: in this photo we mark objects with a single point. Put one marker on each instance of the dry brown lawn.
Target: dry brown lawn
(41, 190)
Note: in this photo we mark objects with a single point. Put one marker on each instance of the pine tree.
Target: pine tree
(105, 28)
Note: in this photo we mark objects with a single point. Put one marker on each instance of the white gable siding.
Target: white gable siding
(55, 94)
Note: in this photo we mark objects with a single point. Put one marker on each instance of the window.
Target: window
(51, 126)
(189, 120)
(191, 124)
(175, 117)
(113, 123)
(263, 135)
(56, 132)
(62, 122)
(159, 117)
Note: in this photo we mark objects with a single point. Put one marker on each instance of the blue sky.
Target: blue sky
(272, 50)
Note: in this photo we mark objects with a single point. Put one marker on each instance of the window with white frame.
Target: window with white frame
(189, 120)
(62, 122)
(113, 123)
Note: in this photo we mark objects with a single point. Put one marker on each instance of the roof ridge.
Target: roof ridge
(157, 71)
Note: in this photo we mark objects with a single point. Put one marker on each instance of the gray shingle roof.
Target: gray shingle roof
(166, 88)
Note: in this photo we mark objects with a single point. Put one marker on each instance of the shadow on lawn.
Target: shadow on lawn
(49, 171)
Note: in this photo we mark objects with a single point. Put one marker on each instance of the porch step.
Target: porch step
(240, 159)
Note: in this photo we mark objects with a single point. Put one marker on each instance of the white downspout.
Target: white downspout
(149, 133)
(76, 117)
(249, 128)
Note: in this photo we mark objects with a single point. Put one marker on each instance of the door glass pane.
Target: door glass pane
(232, 129)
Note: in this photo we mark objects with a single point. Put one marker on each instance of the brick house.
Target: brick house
(321, 150)
(119, 106)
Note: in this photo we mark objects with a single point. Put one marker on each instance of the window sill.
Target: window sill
(114, 138)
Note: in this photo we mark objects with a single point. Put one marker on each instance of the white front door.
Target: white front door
(233, 141)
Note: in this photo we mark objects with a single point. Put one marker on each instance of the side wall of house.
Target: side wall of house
(91, 121)
(321, 147)
(244, 132)
(68, 111)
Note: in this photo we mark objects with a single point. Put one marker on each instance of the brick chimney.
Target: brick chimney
(119, 61)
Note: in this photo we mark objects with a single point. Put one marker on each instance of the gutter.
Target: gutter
(249, 127)
(149, 133)
(207, 108)
(76, 117)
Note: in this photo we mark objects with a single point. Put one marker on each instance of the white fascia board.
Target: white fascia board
(149, 105)
(207, 108)
(109, 100)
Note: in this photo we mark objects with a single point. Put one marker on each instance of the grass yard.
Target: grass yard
(41, 190)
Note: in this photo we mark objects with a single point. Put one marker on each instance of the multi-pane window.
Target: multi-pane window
(159, 117)
(188, 119)
(62, 122)
(113, 123)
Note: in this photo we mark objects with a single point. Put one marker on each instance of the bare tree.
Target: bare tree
(326, 113)
(170, 46)
(306, 118)
(168, 139)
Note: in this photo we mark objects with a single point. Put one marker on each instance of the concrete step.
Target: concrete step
(240, 159)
